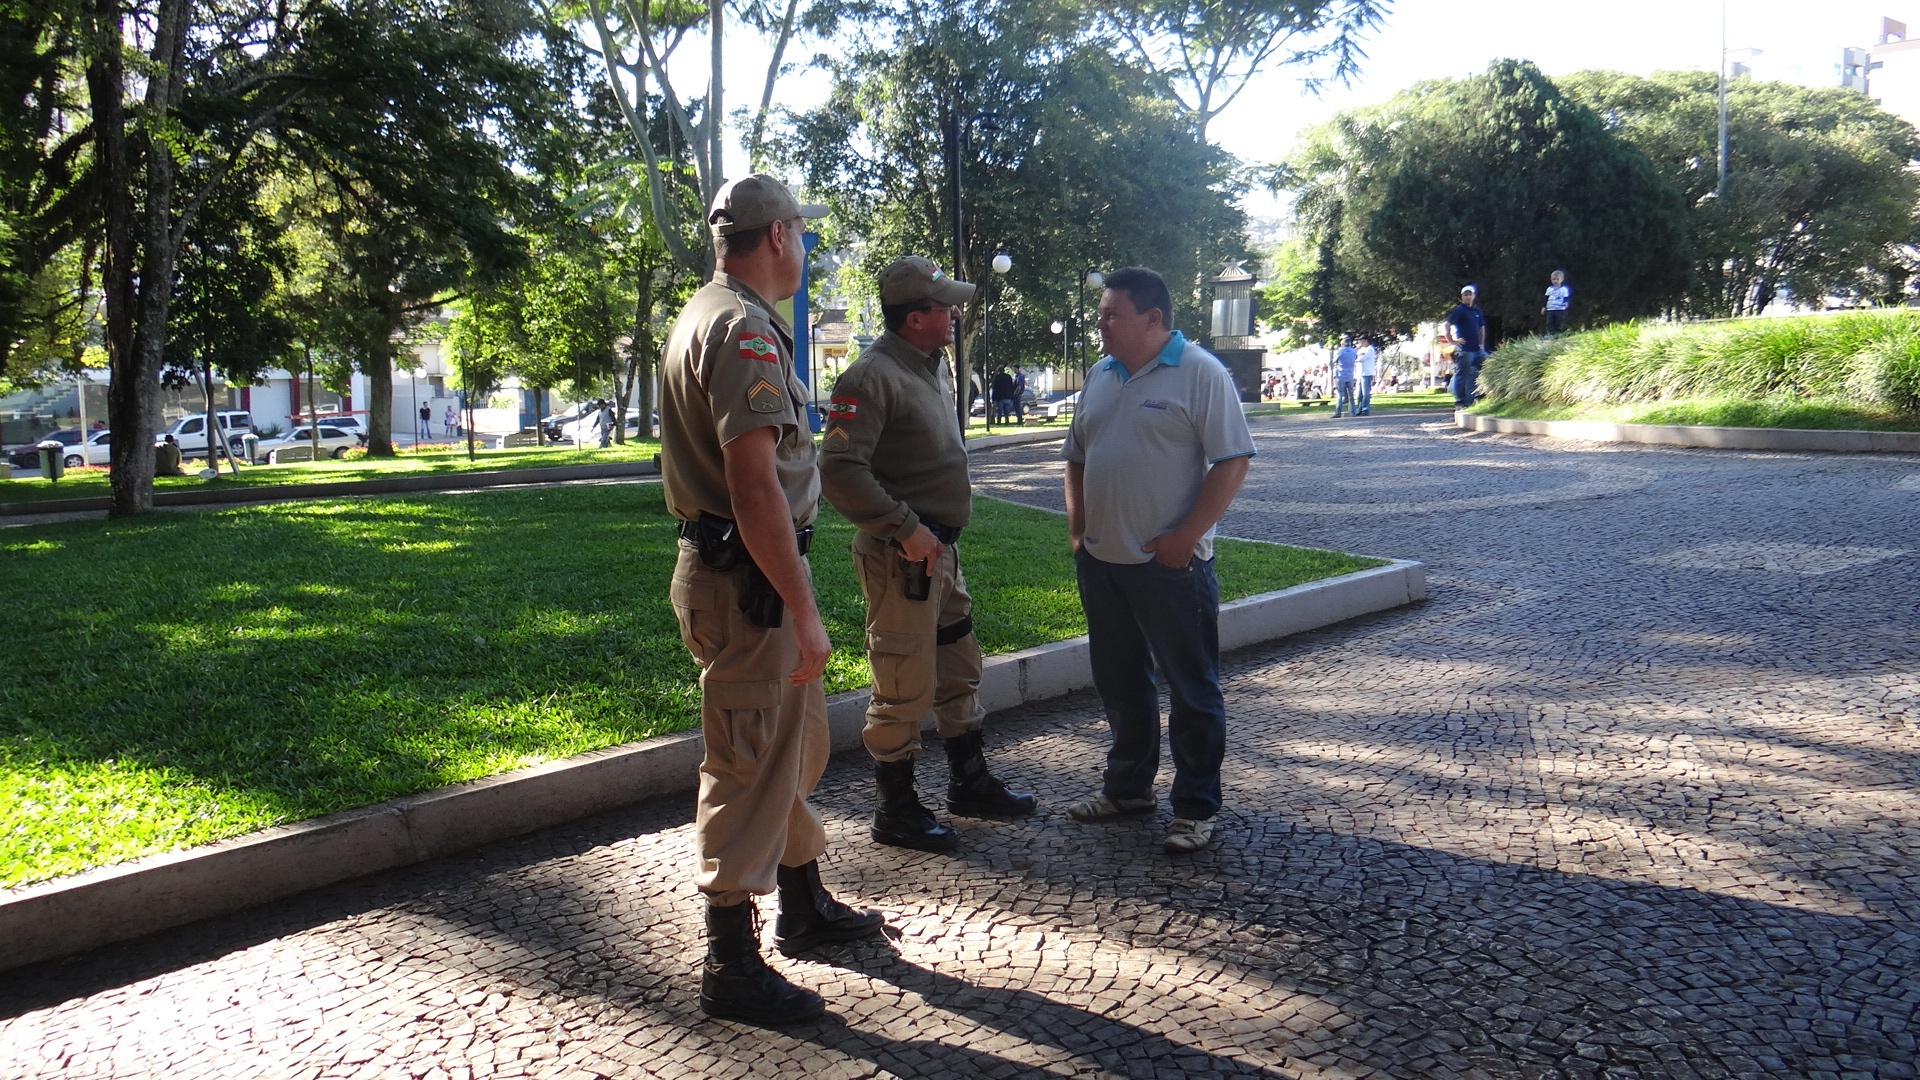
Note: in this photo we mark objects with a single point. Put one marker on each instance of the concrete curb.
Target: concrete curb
(1018, 438)
(455, 481)
(117, 903)
(1723, 438)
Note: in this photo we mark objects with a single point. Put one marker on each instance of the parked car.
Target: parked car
(1058, 404)
(334, 442)
(352, 422)
(96, 450)
(553, 425)
(27, 455)
(190, 431)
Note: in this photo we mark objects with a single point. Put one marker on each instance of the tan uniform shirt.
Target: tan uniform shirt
(892, 453)
(727, 369)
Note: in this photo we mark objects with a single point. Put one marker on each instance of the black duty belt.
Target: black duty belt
(802, 537)
(946, 534)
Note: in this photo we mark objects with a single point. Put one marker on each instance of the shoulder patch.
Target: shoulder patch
(842, 407)
(836, 440)
(756, 347)
(764, 397)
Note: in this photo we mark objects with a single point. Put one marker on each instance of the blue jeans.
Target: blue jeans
(1145, 618)
(1366, 394)
(1466, 368)
(1345, 401)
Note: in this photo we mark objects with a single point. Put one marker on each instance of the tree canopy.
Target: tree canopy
(1819, 201)
(1071, 160)
(1495, 180)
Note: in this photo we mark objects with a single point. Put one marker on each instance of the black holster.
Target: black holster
(760, 602)
(721, 548)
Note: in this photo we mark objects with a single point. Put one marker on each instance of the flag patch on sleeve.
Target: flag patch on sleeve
(842, 408)
(755, 347)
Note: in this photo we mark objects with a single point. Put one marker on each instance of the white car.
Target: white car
(190, 432)
(97, 450)
(334, 442)
(1057, 408)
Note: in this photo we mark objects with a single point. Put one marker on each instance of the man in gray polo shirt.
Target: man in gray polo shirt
(1157, 450)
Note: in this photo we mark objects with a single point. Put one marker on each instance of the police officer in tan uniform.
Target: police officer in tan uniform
(893, 463)
(740, 475)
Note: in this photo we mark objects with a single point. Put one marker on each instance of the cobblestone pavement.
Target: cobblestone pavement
(1632, 795)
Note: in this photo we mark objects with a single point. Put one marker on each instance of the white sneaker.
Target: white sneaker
(1186, 836)
(1104, 807)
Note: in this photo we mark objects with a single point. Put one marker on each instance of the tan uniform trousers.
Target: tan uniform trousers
(766, 739)
(913, 675)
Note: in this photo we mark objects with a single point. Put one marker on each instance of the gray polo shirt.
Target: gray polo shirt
(1147, 441)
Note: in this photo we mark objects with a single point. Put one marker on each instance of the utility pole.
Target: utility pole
(953, 145)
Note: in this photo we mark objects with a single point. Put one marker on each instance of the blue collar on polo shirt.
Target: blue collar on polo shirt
(1169, 357)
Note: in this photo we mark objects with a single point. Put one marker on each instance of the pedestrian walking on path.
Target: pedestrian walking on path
(1157, 450)
(1466, 325)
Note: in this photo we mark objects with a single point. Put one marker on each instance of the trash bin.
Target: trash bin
(53, 459)
(250, 444)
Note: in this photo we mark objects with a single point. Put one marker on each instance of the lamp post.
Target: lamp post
(1720, 186)
(1066, 340)
(1095, 279)
(1002, 263)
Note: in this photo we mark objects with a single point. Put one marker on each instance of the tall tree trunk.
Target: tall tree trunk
(645, 353)
(106, 92)
(140, 329)
(379, 370)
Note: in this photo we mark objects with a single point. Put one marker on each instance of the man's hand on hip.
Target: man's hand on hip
(922, 547)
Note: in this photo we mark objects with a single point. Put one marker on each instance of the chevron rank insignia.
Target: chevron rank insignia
(755, 347)
(765, 397)
(842, 408)
(836, 440)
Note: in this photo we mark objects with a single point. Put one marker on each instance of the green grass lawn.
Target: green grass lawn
(181, 678)
(431, 460)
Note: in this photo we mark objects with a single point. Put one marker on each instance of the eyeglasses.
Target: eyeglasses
(948, 308)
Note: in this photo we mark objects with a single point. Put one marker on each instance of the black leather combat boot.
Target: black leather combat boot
(810, 916)
(735, 984)
(973, 791)
(900, 819)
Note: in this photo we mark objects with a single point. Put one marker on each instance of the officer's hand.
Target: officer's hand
(922, 547)
(1171, 549)
(811, 636)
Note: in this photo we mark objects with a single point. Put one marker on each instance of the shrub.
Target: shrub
(1863, 358)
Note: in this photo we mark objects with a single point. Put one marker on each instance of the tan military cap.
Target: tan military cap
(755, 201)
(910, 278)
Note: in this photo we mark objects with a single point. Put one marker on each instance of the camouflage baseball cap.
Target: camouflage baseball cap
(911, 278)
(752, 202)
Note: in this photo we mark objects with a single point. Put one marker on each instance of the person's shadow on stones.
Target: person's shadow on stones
(1022, 1016)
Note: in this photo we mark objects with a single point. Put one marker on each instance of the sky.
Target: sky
(1426, 39)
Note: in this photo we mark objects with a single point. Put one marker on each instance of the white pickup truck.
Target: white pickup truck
(190, 431)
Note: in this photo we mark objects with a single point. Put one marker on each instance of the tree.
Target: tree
(182, 99)
(1072, 160)
(1497, 179)
(1284, 303)
(1820, 196)
(1208, 50)
(634, 41)
(48, 301)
